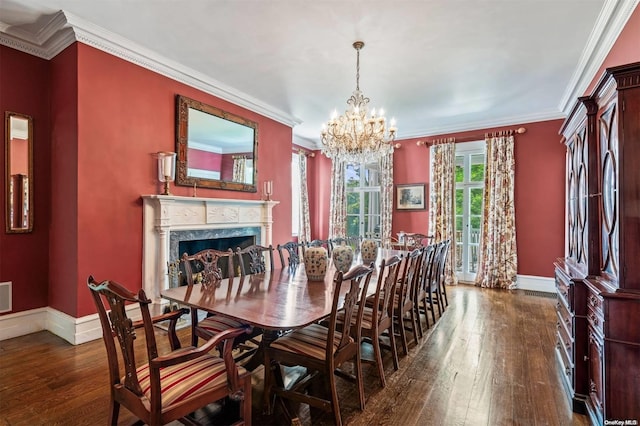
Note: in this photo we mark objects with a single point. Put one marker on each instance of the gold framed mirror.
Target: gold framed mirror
(19, 172)
(215, 148)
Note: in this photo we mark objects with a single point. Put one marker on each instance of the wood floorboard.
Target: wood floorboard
(488, 361)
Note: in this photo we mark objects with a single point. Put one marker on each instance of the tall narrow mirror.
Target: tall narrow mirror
(19, 172)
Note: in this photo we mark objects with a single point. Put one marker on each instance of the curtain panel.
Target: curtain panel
(239, 165)
(441, 203)
(304, 224)
(498, 259)
(386, 198)
(338, 201)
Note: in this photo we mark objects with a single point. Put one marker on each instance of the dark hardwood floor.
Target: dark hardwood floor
(488, 361)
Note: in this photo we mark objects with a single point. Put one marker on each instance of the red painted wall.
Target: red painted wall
(126, 114)
(24, 259)
(63, 244)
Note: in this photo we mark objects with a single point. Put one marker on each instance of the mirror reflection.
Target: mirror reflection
(19, 169)
(216, 149)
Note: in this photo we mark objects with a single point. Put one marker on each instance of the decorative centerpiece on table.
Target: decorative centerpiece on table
(315, 263)
(368, 251)
(342, 257)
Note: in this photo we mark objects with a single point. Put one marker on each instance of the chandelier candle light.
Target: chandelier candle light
(358, 135)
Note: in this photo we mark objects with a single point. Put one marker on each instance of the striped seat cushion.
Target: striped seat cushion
(219, 323)
(367, 317)
(310, 341)
(181, 382)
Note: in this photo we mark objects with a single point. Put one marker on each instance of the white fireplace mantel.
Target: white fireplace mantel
(163, 214)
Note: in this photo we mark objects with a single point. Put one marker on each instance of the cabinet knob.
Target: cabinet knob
(586, 358)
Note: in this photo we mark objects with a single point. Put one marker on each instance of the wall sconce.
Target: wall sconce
(166, 169)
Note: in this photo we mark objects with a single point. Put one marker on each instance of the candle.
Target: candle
(168, 166)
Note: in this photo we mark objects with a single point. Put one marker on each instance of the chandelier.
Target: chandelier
(357, 135)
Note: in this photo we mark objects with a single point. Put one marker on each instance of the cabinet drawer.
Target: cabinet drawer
(565, 340)
(565, 317)
(565, 363)
(594, 302)
(563, 287)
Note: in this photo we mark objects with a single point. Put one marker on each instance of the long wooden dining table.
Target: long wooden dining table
(275, 301)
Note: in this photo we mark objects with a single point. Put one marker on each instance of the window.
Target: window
(295, 194)
(468, 208)
(363, 200)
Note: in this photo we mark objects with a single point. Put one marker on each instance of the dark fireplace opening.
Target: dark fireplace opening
(221, 244)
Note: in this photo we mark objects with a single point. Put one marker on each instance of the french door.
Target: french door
(470, 159)
(363, 200)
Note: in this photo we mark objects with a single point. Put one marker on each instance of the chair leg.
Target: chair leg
(414, 325)
(335, 406)
(113, 412)
(194, 323)
(416, 312)
(444, 292)
(433, 309)
(359, 381)
(375, 341)
(245, 404)
(403, 334)
(394, 348)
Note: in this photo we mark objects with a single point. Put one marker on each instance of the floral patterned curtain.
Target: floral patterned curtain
(304, 224)
(386, 198)
(338, 202)
(441, 203)
(239, 162)
(498, 259)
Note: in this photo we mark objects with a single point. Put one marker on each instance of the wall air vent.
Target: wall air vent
(5, 297)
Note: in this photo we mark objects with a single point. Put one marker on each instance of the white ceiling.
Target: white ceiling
(437, 66)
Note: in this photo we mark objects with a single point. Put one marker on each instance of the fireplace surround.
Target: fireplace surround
(169, 219)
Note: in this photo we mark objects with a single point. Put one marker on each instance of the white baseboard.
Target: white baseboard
(531, 282)
(74, 330)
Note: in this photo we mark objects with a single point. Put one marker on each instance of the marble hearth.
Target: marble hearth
(169, 219)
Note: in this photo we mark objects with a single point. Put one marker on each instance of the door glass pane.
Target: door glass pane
(352, 176)
(459, 168)
(372, 175)
(477, 168)
(353, 202)
(458, 257)
(353, 225)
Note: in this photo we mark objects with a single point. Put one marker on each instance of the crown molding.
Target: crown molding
(611, 20)
(65, 28)
(487, 124)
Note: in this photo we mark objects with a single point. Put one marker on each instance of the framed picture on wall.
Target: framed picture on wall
(410, 196)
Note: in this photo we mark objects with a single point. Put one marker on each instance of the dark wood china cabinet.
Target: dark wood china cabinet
(598, 280)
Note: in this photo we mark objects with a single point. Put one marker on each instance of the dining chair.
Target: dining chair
(252, 258)
(170, 386)
(203, 267)
(292, 251)
(428, 285)
(377, 317)
(404, 297)
(322, 350)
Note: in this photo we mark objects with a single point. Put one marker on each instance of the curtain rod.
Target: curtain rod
(519, 130)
